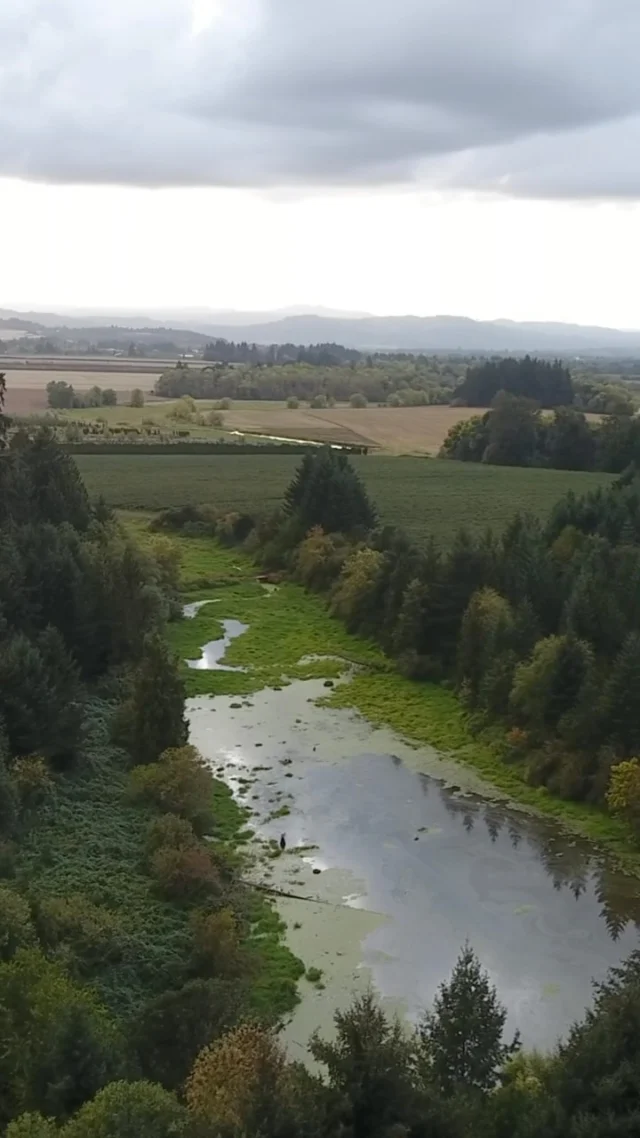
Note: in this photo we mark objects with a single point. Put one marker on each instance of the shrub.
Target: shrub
(137, 398)
(16, 926)
(172, 1028)
(32, 1126)
(190, 520)
(358, 400)
(130, 1110)
(217, 942)
(32, 781)
(91, 933)
(185, 875)
(180, 783)
(183, 410)
(293, 403)
(170, 830)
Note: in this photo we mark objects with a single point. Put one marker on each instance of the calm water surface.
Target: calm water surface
(546, 912)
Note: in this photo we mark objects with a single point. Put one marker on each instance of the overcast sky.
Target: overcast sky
(468, 156)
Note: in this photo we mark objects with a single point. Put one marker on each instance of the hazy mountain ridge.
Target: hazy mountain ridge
(409, 333)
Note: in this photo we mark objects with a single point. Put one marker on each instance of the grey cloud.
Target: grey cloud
(540, 100)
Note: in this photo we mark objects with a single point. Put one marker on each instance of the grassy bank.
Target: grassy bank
(88, 846)
(289, 624)
(428, 713)
(287, 630)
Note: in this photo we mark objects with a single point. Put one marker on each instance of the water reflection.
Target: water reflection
(213, 652)
(570, 863)
(545, 911)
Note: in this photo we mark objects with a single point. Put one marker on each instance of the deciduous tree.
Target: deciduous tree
(157, 705)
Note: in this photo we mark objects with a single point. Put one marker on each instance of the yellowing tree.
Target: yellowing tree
(236, 1082)
(319, 558)
(623, 795)
(354, 596)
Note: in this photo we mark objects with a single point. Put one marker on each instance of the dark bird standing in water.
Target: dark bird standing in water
(283, 842)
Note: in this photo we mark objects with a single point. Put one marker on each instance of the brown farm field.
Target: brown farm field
(396, 430)
(26, 387)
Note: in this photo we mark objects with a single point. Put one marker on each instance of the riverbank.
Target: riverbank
(290, 628)
(394, 857)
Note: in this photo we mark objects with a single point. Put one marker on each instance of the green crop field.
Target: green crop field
(421, 495)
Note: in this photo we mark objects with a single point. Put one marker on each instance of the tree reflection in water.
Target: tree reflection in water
(571, 863)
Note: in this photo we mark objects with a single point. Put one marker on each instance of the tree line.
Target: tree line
(548, 383)
(318, 355)
(62, 395)
(514, 432)
(406, 381)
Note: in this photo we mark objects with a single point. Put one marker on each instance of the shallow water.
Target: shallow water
(214, 650)
(432, 863)
(193, 608)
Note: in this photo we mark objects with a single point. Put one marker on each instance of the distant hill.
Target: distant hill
(368, 333)
(436, 334)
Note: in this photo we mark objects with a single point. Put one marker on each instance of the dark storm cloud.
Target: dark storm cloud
(540, 99)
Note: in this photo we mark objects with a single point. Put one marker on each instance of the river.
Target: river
(411, 856)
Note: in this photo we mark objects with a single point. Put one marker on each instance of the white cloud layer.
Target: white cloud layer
(537, 100)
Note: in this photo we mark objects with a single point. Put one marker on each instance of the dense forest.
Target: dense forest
(138, 996)
(516, 433)
(549, 384)
(395, 380)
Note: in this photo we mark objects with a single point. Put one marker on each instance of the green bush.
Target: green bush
(180, 783)
(16, 926)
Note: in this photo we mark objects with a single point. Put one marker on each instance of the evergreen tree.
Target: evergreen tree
(571, 443)
(513, 429)
(597, 1080)
(592, 611)
(157, 720)
(464, 570)
(549, 686)
(39, 695)
(621, 705)
(462, 1038)
(370, 1066)
(327, 492)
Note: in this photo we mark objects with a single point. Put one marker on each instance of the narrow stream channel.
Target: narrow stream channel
(412, 856)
